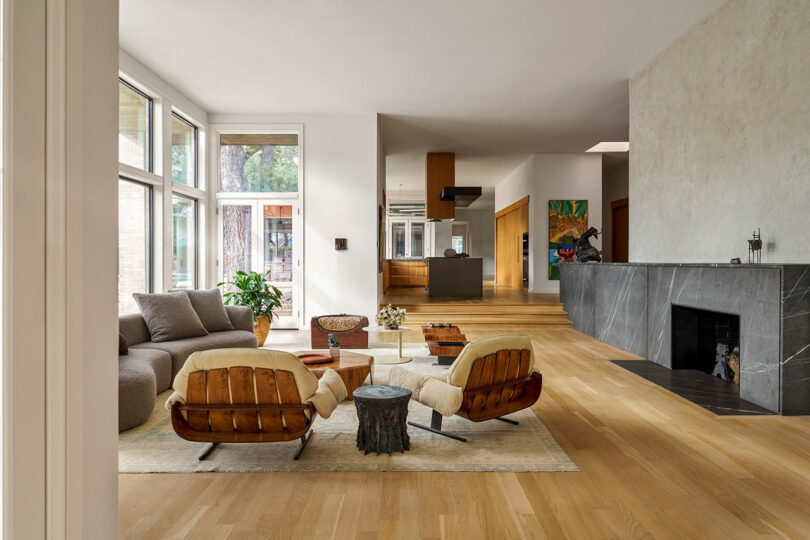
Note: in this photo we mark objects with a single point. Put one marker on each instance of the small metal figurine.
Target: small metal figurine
(755, 248)
(584, 250)
(721, 368)
(334, 345)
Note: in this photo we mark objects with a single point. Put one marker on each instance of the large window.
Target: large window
(184, 243)
(134, 127)
(134, 243)
(260, 213)
(161, 195)
(259, 163)
(184, 151)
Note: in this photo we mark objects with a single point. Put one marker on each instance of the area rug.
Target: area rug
(491, 446)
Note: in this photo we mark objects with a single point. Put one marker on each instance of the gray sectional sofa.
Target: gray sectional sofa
(149, 367)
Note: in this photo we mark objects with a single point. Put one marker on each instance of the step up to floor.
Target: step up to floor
(547, 315)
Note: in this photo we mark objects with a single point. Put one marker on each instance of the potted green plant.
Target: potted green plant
(251, 289)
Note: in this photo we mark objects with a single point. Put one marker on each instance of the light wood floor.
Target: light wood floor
(652, 465)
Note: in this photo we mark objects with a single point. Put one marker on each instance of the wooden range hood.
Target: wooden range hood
(440, 172)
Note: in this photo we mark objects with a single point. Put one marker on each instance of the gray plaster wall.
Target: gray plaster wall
(720, 138)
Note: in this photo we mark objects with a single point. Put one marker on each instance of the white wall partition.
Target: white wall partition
(340, 196)
(60, 81)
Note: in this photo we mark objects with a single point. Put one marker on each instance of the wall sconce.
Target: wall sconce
(340, 244)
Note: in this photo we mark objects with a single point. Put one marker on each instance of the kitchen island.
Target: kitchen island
(454, 276)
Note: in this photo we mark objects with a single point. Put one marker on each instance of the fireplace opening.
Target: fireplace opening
(696, 334)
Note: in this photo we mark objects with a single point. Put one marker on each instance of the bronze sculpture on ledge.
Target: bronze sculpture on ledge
(584, 250)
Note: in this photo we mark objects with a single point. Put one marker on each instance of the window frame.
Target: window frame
(195, 146)
(167, 103)
(220, 197)
(150, 223)
(150, 126)
(408, 221)
(196, 254)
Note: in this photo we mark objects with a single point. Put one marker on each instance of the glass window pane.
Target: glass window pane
(184, 152)
(184, 243)
(134, 243)
(258, 168)
(458, 244)
(278, 242)
(417, 240)
(398, 239)
(236, 232)
(134, 125)
(286, 309)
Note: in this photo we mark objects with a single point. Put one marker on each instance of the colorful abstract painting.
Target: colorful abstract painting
(567, 221)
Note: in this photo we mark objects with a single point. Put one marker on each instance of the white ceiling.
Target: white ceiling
(492, 81)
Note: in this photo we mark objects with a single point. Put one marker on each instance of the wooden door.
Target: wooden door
(619, 230)
(510, 224)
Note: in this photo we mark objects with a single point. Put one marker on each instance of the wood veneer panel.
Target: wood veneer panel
(440, 172)
(266, 392)
(218, 393)
(242, 392)
(196, 393)
(288, 393)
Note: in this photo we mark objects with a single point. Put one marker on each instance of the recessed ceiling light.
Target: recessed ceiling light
(610, 147)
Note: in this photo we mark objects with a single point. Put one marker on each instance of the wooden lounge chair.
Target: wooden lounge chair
(214, 399)
(490, 378)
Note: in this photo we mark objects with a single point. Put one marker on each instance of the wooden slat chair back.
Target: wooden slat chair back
(500, 384)
(242, 404)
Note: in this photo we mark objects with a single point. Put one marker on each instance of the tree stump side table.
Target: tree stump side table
(382, 414)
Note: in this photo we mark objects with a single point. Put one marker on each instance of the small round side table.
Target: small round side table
(388, 360)
(382, 414)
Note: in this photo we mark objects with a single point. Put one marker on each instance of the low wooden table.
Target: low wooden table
(352, 367)
(382, 414)
(445, 343)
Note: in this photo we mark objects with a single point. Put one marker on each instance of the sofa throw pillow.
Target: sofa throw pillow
(169, 316)
(210, 309)
(123, 349)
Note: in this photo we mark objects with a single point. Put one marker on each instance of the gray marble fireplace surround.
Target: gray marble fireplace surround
(629, 305)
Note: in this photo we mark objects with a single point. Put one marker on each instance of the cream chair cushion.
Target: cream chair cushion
(433, 392)
(459, 371)
(445, 393)
(324, 394)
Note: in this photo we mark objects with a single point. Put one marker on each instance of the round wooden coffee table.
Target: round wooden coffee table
(352, 367)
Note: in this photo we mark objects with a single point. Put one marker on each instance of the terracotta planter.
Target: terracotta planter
(261, 328)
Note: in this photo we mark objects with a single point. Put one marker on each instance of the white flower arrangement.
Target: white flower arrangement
(391, 317)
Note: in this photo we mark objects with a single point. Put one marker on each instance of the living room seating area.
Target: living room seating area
(150, 357)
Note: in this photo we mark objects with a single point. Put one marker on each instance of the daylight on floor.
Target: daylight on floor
(385, 269)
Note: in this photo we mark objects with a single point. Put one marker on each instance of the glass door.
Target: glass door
(263, 236)
(278, 257)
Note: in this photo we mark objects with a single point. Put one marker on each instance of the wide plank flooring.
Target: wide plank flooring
(652, 465)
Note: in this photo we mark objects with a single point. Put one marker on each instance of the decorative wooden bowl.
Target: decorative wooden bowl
(310, 358)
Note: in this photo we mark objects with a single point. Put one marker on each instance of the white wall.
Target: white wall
(615, 186)
(60, 406)
(545, 177)
(340, 201)
(719, 127)
(481, 231)
(442, 237)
